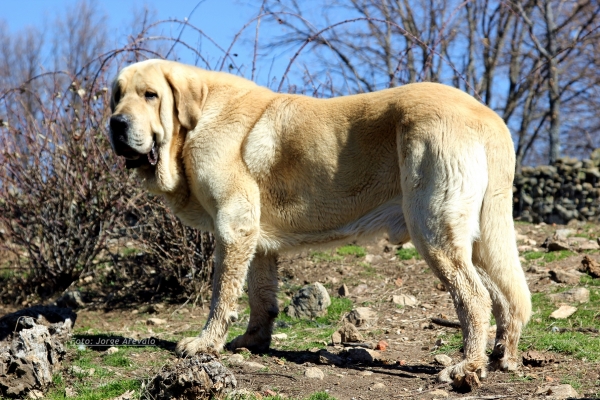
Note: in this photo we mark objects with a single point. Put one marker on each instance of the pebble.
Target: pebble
(280, 336)
(156, 321)
(112, 350)
(377, 386)
(343, 291)
(253, 365)
(361, 316)
(443, 359)
(438, 393)
(563, 312)
(575, 295)
(405, 300)
(558, 392)
(314, 373)
(236, 359)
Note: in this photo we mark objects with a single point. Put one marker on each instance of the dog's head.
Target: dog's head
(154, 103)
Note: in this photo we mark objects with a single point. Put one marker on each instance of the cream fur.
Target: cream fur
(270, 172)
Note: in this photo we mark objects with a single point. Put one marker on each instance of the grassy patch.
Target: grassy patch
(532, 255)
(453, 342)
(305, 334)
(320, 256)
(539, 335)
(351, 250)
(408, 254)
(86, 391)
(557, 255)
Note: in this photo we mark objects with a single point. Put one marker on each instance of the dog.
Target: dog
(269, 172)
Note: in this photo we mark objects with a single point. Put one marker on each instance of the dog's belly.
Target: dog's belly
(388, 219)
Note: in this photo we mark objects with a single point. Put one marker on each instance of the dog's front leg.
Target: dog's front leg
(236, 237)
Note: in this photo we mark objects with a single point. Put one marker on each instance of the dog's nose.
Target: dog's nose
(119, 127)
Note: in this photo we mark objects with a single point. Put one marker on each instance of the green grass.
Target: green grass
(408, 254)
(320, 256)
(314, 396)
(538, 334)
(351, 250)
(547, 257)
(107, 390)
(304, 334)
(453, 343)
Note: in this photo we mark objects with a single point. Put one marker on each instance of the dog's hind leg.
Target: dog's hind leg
(262, 293)
(496, 253)
(443, 191)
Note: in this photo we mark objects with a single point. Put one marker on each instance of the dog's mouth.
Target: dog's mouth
(149, 159)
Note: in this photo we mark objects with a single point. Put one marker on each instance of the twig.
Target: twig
(445, 322)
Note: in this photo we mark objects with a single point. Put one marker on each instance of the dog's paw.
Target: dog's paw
(194, 345)
(501, 359)
(462, 378)
(253, 342)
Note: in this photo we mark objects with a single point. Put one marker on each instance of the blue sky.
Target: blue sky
(220, 19)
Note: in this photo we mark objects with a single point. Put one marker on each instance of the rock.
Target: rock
(199, 377)
(71, 299)
(563, 312)
(586, 245)
(564, 277)
(156, 321)
(253, 365)
(361, 316)
(361, 355)
(343, 291)
(558, 392)
(280, 336)
(405, 300)
(314, 373)
(563, 234)
(443, 360)
(360, 289)
(438, 394)
(327, 358)
(373, 259)
(33, 345)
(70, 392)
(590, 267)
(112, 350)
(536, 359)
(382, 345)
(378, 386)
(336, 338)
(408, 245)
(309, 302)
(128, 395)
(349, 334)
(557, 245)
(575, 295)
(236, 359)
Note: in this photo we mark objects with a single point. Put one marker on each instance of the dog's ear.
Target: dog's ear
(189, 94)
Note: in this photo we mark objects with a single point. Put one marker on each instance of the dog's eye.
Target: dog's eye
(150, 95)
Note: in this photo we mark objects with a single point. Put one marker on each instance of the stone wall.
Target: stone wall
(567, 190)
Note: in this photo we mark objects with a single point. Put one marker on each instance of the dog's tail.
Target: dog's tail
(496, 252)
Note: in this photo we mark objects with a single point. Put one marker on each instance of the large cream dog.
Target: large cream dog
(268, 172)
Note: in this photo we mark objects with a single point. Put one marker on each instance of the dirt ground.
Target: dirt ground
(406, 369)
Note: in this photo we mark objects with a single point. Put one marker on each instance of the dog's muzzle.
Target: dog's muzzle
(119, 132)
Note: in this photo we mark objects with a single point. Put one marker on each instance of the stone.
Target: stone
(590, 267)
(336, 338)
(236, 359)
(408, 245)
(279, 336)
(575, 295)
(70, 392)
(343, 291)
(349, 334)
(567, 277)
(563, 312)
(361, 355)
(558, 392)
(534, 358)
(314, 373)
(70, 299)
(382, 345)
(253, 365)
(378, 386)
(587, 245)
(112, 350)
(199, 377)
(311, 301)
(438, 394)
(563, 234)
(360, 289)
(156, 321)
(361, 316)
(373, 259)
(443, 360)
(32, 347)
(405, 300)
